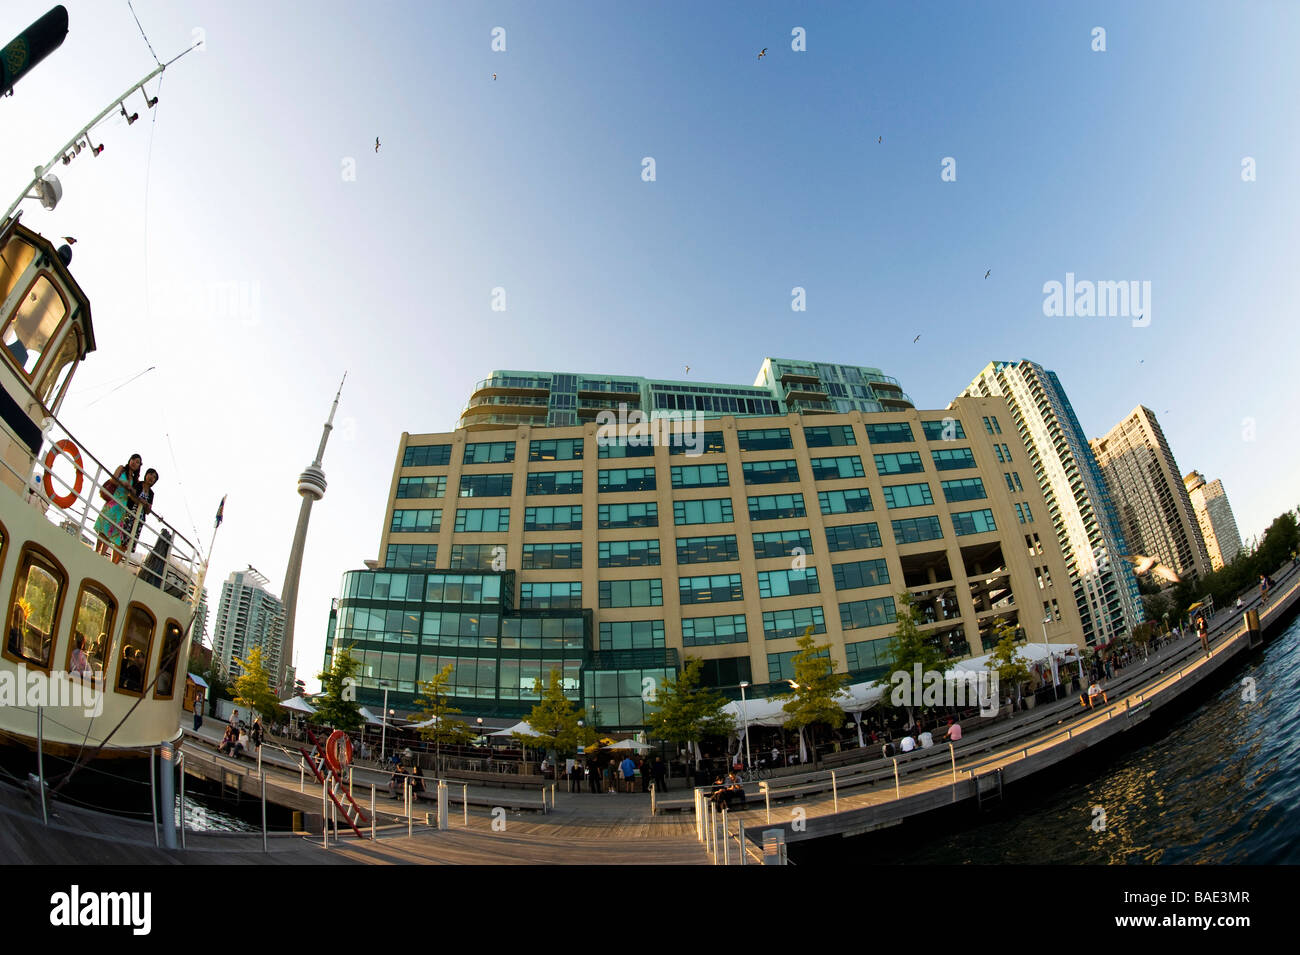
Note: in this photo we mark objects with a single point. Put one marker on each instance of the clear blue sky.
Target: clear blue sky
(1122, 165)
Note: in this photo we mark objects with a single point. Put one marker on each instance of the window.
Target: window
(427, 520)
(988, 426)
(627, 479)
(907, 495)
(857, 614)
(704, 550)
(714, 631)
(770, 472)
(852, 537)
(867, 655)
(973, 522)
(1010, 486)
(413, 555)
(492, 452)
(997, 449)
(776, 506)
(907, 462)
(486, 485)
(717, 588)
(915, 529)
(567, 517)
(137, 637)
(965, 489)
(427, 456)
(830, 469)
(457, 588)
(949, 429)
(784, 583)
(863, 573)
(435, 486)
(1029, 516)
(700, 475)
(764, 439)
(631, 634)
(1016, 475)
(851, 501)
(832, 437)
(614, 448)
(554, 482)
(39, 589)
(559, 449)
(782, 544)
(629, 553)
(475, 556)
(628, 515)
(780, 666)
(552, 556)
(632, 593)
(711, 511)
(482, 519)
(1006, 454)
(173, 636)
(692, 443)
(93, 626)
(996, 427)
(953, 459)
(40, 313)
(889, 433)
(550, 595)
(780, 624)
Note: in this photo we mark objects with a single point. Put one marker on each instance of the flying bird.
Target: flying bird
(763, 53)
(988, 273)
(880, 139)
(688, 369)
(916, 339)
(376, 144)
(494, 76)
(70, 240)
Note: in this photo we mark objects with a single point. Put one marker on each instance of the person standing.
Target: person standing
(1263, 589)
(112, 525)
(144, 495)
(255, 734)
(198, 710)
(629, 773)
(660, 770)
(1202, 631)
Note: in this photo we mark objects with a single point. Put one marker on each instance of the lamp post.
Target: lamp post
(383, 723)
(1051, 664)
(744, 711)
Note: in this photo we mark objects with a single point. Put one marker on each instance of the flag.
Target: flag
(221, 512)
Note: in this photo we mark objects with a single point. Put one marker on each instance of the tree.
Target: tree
(436, 703)
(1006, 660)
(685, 712)
(555, 721)
(337, 705)
(253, 685)
(813, 691)
(908, 649)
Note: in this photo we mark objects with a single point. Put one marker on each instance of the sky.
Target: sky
(1169, 157)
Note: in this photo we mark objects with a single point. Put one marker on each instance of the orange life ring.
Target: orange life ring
(338, 751)
(63, 500)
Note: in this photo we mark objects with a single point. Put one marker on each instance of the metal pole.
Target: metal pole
(383, 723)
(741, 840)
(835, 792)
(897, 793)
(325, 813)
(40, 762)
(410, 798)
(153, 794)
(767, 798)
(264, 849)
(182, 765)
(464, 801)
(302, 773)
(372, 811)
(652, 799)
(745, 716)
(726, 839)
(953, 753)
(350, 781)
(167, 797)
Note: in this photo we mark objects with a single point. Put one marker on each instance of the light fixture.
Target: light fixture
(131, 118)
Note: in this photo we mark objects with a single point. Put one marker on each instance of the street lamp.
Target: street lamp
(1051, 664)
(383, 723)
(744, 710)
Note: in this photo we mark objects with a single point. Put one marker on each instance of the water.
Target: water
(1218, 784)
(203, 814)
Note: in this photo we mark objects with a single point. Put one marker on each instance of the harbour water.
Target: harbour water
(1217, 784)
(206, 814)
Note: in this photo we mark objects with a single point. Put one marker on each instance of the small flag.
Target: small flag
(221, 512)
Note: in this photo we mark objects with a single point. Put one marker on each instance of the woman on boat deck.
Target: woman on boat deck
(112, 525)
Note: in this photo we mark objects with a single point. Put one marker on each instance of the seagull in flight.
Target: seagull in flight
(988, 273)
(688, 369)
(916, 339)
(763, 53)
(880, 139)
(70, 240)
(494, 76)
(376, 144)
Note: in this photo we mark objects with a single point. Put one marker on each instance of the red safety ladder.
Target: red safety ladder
(337, 788)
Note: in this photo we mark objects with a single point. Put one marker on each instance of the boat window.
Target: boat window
(133, 661)
(172, 637)
(64, 361)
(34, 323)
(14, 261)
(92, 626)
(34, 607)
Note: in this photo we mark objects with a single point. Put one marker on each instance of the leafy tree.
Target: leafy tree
(1143, 634)
(337, 705)
(556, 721)
(436, 703)
(812, 697)
(1006, 660)
(908, 647)
(253, 685)
(685, 712)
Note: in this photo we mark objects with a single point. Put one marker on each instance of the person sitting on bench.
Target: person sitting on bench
(1094, 691)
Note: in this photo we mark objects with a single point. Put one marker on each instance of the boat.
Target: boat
(98, 600)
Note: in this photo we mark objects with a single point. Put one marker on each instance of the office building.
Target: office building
(248, 616)
(1214, 516)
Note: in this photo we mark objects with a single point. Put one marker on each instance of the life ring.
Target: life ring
(63, 500)
(338, 752)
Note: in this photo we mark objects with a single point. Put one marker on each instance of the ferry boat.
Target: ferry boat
(99, 596)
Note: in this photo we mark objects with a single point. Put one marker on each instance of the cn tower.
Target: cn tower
(311, 485)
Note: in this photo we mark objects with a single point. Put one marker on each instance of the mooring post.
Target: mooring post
(168, 797)
(153, 792)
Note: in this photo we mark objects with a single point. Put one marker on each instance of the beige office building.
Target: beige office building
(1147, 491)
(1214, 517)
(512, 552)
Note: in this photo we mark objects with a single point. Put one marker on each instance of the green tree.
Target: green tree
(1006, 660)
(685, 712)
(337, 705)
(811, 699)
(435, 701)
(559, 724)
(253, 685)
(908, 648)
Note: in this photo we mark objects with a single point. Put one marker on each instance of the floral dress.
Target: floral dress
(112, 522)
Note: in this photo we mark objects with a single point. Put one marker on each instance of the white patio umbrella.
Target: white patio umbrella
(519, 729)
(298, 704)
(630, 744)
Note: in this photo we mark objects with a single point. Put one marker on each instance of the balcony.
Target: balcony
(810, 407)
(794, 376)
(485, 403)
(587, 386)
(506, 385)
(498, 422)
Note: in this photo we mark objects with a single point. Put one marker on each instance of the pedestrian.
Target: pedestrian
(954, 731)
(660, 772)
(1263, 589)
(608, 773)
(255, 734)
(629, 774)
(1203, 632)
(198, 710)
(234, 717)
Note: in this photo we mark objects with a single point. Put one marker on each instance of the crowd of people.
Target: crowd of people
(128, 500)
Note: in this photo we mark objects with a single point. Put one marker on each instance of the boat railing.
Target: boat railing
(70, 487)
